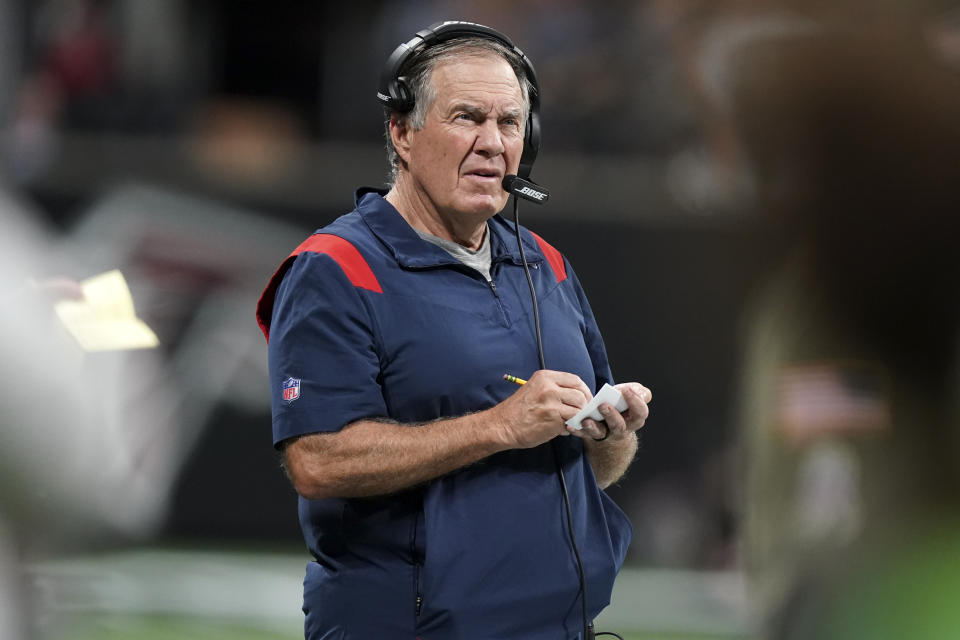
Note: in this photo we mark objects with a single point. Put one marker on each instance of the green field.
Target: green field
(167, 594)
(116, 627)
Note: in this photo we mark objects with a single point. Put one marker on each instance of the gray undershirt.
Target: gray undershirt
(478, 260)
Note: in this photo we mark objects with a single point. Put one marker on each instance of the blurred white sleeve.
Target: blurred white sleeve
(87, 442)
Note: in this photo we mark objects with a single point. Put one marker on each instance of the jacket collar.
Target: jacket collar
(410, 250)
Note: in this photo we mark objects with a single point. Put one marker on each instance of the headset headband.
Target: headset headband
(395, 93)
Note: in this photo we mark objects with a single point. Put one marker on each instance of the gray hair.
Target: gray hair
(419, 74)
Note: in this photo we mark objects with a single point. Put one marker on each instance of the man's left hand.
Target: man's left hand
(616, 425)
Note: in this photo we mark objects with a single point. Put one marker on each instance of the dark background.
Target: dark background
(267, 109)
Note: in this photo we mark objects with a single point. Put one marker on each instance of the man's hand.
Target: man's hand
(616, 425)
(537, 411)
(612, 444)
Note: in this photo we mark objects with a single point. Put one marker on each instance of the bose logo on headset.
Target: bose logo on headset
(525, 189)
(536, 195)
(394, 93)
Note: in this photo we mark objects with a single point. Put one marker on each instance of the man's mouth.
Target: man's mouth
(485, 173)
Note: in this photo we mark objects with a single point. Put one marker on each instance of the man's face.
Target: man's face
(472, 136)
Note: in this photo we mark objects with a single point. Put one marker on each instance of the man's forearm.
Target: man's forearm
(611, 458)
(369, 458)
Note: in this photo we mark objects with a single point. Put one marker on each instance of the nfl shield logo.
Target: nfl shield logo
(291, 389)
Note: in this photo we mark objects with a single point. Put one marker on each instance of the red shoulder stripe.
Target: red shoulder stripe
(346, 255)
(554, 257)
(352, 262)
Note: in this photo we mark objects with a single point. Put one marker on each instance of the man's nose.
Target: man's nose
(489, 139)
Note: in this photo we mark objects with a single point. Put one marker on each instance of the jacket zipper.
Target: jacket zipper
(417, 562)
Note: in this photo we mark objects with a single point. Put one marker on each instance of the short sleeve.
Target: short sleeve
(323, 360)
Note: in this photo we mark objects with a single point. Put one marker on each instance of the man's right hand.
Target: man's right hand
(537, 411)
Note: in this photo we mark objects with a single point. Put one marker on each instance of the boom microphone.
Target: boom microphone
(526, 189)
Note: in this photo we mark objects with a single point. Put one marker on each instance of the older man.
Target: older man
(435, 497)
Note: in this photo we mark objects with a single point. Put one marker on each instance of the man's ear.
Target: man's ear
(400, 130)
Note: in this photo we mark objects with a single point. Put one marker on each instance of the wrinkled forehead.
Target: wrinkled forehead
(482, 74)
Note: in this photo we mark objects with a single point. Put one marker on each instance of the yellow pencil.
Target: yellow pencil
(510, 378)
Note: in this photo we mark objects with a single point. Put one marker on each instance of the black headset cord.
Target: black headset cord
(587, 627)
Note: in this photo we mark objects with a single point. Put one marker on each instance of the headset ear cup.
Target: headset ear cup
(531, 145)
(534, 137)
(403, 96)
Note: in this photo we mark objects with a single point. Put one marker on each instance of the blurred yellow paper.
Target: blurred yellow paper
(105, 319)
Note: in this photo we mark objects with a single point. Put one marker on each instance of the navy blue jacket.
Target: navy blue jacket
(365, 319)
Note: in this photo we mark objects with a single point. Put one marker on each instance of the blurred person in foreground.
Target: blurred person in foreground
(851, 408)
(87, 441)
(429, 489)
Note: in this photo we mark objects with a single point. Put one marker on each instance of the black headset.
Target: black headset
(395, 93)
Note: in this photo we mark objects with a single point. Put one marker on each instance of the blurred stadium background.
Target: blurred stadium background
(193, 144)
